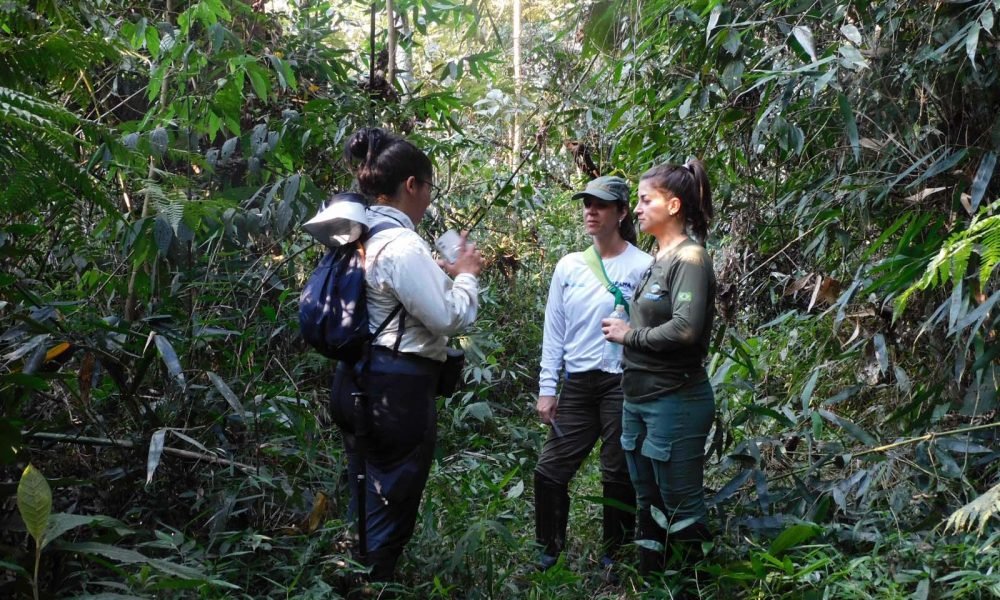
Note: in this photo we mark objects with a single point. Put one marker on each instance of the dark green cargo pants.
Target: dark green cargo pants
(664, 444)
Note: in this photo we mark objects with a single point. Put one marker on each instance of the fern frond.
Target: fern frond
(989, 252)
(951, 262)
(978, 511)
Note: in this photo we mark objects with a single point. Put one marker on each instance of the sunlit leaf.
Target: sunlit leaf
(972, 43)
(170, 359)
(34, 502)
(803, 35)
(154, 454)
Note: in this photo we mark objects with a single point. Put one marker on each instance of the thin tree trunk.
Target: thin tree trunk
(516, 145)
(390, 70)
(406, 57)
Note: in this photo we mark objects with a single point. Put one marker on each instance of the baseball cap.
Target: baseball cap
(608, 188)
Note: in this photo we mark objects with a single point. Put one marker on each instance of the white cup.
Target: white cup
(449, 244)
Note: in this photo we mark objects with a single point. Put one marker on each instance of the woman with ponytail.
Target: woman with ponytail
(421, 302)
(669, 403)
(589, 407)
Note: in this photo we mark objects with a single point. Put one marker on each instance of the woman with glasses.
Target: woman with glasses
(589, 407)
(420, 304)
(669, 403)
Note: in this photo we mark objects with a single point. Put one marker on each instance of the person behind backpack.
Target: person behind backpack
(669, 403)
(402, 372)
(590, 405)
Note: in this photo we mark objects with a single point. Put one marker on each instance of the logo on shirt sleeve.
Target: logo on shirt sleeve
(684, 297)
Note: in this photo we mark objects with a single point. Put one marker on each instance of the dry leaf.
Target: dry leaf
(318, 513)
(924, 194)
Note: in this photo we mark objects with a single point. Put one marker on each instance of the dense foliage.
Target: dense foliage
(157, 159)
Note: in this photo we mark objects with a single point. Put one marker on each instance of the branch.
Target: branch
(96, 441)
(923, 438)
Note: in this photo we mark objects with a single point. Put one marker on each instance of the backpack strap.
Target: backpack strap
(399, 310)
(593, 260)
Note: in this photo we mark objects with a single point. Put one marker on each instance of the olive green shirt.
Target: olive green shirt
(672, 311)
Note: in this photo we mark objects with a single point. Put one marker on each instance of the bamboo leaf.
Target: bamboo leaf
(850, 125)
(122, 555)
(852, 34)
(850, 427)
(155, 452)
(34, 502)
(170, 359)
(982, 180)
(60, 523)
(793, 536)
(807, 390)
(227, 393)
(713, 20)
(972, 42)
(682, 524)
(881, 352)
(731, 487)
(803, 35)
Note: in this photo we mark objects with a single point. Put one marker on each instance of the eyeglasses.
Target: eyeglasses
(435, 190)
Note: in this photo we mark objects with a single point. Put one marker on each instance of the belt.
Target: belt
(593, 374)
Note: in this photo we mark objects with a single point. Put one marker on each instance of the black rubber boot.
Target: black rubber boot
(685, 545)
(650, 560)
(619, 524)
(551, 517)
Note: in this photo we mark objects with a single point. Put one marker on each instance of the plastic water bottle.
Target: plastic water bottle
(611, 359)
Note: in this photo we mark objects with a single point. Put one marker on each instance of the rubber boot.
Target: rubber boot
(551, 517)
(684, 551)
(650, 560)
(619, 524)
(685, 545)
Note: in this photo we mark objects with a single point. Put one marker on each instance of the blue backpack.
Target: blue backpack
(333, 311)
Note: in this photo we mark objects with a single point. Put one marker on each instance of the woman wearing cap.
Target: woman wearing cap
(590, 404)
(420, 306)
(669, 404)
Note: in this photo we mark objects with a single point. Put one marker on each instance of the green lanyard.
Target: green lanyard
(593, 260)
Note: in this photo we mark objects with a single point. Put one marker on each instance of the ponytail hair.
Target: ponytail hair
(626, 227)
(689, 182)
(381, 161)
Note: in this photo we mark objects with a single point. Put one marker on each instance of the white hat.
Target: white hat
(340, 222)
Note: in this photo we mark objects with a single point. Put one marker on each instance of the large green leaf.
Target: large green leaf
(794, 536)
(60, 523)
(34, 502)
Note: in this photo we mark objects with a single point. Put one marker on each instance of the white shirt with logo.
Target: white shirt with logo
(572, 340)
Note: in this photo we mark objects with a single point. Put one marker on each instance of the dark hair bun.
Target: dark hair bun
(364, 141)
(381, 161)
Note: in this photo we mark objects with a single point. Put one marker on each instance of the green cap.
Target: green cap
(608, 188)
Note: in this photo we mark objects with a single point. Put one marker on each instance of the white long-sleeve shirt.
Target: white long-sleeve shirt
(577, 302)
(399, 269)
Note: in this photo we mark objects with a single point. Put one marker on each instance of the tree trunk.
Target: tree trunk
(516, 144)
(406, 58)
(390, 69)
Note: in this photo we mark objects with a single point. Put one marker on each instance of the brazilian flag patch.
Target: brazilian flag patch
(684, 297)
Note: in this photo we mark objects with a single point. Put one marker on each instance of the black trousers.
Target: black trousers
(590, 409)
(398, 451)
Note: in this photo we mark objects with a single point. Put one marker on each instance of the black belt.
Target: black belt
(593, 374)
